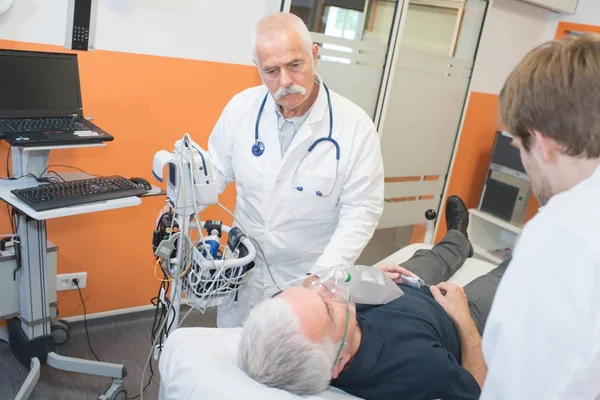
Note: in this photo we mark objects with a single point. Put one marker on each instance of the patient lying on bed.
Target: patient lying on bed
(410, 348)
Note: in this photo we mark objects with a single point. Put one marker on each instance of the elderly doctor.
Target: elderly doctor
(306, 162)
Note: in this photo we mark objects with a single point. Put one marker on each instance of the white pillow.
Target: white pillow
(201, 363)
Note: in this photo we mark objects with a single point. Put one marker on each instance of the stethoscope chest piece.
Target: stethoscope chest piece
(258, 148)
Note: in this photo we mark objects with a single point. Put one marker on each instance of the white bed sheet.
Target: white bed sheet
(200, 363)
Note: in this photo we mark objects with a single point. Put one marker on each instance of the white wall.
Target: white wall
(198, 29)
(587, 12)
(512, 29)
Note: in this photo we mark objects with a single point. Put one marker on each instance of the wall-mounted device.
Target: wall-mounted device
(507, 187)
(81, 24)
(560, 6)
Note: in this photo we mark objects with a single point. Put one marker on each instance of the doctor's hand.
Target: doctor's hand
(454, 300)
(307, 283)
(394, 272)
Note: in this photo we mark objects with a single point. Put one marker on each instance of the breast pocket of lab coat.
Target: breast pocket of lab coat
(307, 204)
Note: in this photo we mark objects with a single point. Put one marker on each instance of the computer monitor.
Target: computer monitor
(505, 155)
(507, 187)
(39, 84)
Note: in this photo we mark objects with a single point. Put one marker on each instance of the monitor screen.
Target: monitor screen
(38, 84)
(505, 154)
(499, 199)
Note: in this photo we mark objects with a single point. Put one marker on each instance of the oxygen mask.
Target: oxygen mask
(335, 284)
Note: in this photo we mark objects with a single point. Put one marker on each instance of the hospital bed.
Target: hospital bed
(200, 363)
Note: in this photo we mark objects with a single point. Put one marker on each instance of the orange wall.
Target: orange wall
(474, 153)
(564, 28)
(476, 143)
(475, 147)
(146, 103)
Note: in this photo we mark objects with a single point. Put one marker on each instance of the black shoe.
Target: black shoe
(457, 217)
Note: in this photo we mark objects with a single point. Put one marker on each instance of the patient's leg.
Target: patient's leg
(480, 293)
(442, 261)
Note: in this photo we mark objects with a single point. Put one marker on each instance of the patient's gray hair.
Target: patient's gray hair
(274, 351)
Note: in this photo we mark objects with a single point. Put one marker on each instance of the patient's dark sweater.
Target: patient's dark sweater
(410, 349)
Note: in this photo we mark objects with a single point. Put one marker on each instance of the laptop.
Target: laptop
(40, 101)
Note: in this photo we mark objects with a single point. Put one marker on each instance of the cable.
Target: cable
(66, 166)
(262, 253)
(30, 175)
(7, 159)
(154, 331)
(218, 271)
(234, 217)
(10, 217)
(149, 360)
(76, 282)
(159, 306)
(186, 315)
(180, 268)
(182, 265)
(8, 210)
(57, 174)
(182, 230)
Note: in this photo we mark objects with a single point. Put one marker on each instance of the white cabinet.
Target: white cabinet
(491, 236)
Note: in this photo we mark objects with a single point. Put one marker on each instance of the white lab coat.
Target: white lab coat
(542, 337)
(298, 231)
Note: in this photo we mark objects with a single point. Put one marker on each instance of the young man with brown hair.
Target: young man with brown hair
(542, 338)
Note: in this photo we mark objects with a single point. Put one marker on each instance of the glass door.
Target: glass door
(408, 64)
(354, 37)
(423, 104)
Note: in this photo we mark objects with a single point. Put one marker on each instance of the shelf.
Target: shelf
(61, 146)
(496, 221)
(8, 185)
(489, 233)
(484, 253)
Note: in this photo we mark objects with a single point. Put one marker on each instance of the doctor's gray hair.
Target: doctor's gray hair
(282, 21)
(274, 351)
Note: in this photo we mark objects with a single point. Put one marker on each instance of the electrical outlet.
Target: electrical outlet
(65, 281)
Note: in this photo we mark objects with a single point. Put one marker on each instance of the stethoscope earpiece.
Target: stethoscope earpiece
(319, 193)
(299, 188)
(258, 148)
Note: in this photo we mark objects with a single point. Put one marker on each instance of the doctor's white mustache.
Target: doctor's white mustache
(284, 91)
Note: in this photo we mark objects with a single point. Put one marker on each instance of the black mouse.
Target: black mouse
(141, 181)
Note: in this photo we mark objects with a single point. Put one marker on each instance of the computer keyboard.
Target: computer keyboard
(64, 194)
(43, 124)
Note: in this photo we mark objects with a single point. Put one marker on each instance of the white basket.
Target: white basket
(209, 284)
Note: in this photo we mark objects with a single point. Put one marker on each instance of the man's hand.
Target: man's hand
(454, 300)
(307, 283)
(394, 272)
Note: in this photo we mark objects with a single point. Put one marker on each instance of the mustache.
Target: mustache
(284, 91)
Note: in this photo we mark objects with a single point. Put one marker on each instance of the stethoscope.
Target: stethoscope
(258, 148)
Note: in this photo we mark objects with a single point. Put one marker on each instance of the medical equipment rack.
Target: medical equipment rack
(30, 336)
